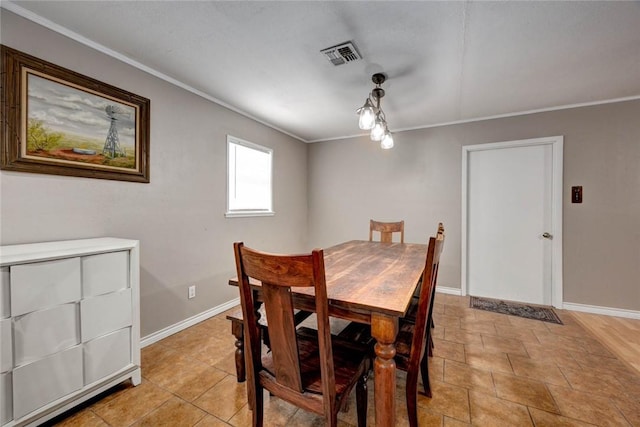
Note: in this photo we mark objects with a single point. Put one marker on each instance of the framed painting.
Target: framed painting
(56, 121)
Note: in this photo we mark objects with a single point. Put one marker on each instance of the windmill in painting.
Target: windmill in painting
(112, 143)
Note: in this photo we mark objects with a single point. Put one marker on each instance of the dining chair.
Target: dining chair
(413, 306)
(386, 230)
(414, 336)
(307, 368)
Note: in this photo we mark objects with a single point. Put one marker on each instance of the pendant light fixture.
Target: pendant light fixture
(372, 117)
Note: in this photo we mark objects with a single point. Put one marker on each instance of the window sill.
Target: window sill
(245, 214)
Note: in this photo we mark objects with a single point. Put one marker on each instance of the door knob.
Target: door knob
(547, 235)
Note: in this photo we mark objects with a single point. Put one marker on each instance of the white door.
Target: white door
(511, 220)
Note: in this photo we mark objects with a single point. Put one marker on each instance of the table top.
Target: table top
(371, 276)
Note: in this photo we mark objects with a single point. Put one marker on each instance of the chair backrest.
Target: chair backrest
(278, 274)
(427, 294)
(386, 230)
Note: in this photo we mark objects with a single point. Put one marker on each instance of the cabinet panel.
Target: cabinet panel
(6, 347)
(43, 381)
(6, 404)
(44, 284)
(106, 313)
(4, 292)
(105, 273)
(44, 332)
(105, 355)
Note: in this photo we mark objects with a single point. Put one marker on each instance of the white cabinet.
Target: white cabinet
(69, 325)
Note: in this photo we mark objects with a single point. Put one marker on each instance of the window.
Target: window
(249, 189)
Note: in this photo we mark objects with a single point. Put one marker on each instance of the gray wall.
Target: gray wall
(352, 180)
(179, 216)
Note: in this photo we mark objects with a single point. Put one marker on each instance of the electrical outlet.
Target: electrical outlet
(192, 291)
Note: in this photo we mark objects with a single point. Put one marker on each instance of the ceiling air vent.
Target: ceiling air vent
(342, 53)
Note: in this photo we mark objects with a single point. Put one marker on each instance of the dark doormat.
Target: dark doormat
(546, 314)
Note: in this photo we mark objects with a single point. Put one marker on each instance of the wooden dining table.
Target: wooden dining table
(373, 283)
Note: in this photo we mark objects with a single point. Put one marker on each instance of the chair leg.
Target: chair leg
(332, 421)
(361, 400)
(345, 406)
(430, 345)
(237, 329)
(412, 398)
(430, 339)
(424, 369)
(258, 407)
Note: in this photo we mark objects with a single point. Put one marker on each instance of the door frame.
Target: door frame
(556, 143)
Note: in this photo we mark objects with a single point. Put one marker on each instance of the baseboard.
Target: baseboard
(177, 327)
(450, 291)
(607, 311)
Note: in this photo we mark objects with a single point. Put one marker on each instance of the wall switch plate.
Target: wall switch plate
(576, 194)
(192, 291)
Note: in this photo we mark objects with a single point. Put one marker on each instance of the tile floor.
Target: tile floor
(488, 370)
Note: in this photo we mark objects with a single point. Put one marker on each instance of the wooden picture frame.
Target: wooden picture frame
(56, 121)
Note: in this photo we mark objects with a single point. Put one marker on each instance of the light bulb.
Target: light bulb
(367, 116)
(378, 130)
(387, 140)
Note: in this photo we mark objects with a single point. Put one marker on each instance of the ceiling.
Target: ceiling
(446, 62)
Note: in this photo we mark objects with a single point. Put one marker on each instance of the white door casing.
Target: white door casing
(511, 195)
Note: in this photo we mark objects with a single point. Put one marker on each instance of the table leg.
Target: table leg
(384, 329)
(237, 329)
